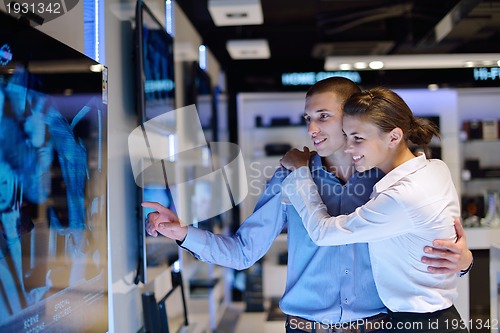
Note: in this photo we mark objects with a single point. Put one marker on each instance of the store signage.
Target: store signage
(310, 78)
(152, 86)
(486, 73)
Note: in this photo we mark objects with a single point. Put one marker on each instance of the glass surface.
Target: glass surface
(53, 194)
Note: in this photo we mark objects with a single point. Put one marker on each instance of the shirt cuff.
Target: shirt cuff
(462, 273)
(195, 240)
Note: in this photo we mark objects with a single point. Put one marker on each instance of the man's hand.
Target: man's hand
(165, 222)
(295, 158)
(452, 257)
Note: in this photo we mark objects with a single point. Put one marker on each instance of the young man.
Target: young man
(326, 287)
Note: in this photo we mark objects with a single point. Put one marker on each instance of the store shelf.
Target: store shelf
(482, 238)
(206, 296)
(473, 141)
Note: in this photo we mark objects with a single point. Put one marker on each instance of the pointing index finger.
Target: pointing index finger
(154, 205)
(162, 210)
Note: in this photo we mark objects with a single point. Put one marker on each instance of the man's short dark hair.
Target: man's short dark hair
(341, 86)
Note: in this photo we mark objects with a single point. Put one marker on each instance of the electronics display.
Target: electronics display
(198, 90)
(155, 65)
(168, 314)
(204, 196)
(53, 192)
(154, 49)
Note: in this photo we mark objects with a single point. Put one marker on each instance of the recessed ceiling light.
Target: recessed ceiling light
(469, 64)
(376, 64)
(345, 67)
(433, 87)
(360, 65)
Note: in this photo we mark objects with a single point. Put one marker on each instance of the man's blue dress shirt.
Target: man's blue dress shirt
(327, 284)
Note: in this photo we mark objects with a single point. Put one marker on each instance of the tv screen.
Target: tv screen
(155, 96)
(155, 65)
(199, 91)
(53, 193)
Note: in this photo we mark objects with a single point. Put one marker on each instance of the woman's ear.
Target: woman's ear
(395, 136)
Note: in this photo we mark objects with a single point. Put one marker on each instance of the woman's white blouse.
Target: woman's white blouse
(410, 207)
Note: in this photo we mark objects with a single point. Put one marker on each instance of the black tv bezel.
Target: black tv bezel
(141, 8)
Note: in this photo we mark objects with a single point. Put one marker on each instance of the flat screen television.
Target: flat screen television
(155, 65)
(154, 55)
(198, 90)
(53, 192)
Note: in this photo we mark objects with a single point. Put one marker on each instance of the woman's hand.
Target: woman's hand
(295, 159)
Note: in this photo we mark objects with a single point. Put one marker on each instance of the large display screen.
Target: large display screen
(53, 185)
(155, 61)
(155, 96)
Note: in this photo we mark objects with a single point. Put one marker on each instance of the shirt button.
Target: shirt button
(347, 271)
(345, 301)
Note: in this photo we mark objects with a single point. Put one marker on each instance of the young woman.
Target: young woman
(414, 203)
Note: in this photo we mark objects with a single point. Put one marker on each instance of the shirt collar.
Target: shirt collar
(316, 163)
(400, 172)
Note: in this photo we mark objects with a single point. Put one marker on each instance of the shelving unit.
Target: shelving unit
(474, 290)
(495, 286)
(206, 295)
(255, 134)
(256, 113)
(452, 107)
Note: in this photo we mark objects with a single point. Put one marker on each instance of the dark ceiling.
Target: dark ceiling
(301, 33)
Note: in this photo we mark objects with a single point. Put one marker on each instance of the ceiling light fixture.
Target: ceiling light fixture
(433, 87)
(416, 61)
(360, 65)
(235, 12)
(376, 64)
(345, 67)
(248, 49)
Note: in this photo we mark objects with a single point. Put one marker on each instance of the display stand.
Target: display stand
(156, 319)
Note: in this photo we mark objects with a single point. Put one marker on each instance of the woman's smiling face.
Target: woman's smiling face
(367, 144)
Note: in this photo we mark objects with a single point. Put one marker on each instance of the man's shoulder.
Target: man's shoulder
(372, 175)
(279, 175)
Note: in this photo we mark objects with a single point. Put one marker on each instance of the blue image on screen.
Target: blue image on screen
(53, 193)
